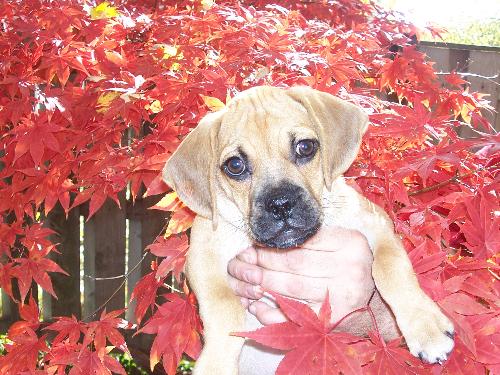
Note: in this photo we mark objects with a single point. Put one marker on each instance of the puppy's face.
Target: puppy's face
(269, 164)
(270, 153)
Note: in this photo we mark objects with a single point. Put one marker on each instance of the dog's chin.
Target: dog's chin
(288, 238)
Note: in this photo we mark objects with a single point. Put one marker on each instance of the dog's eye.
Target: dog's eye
(234, 167)
(305, 148)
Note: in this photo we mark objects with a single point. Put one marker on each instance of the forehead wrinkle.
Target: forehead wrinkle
(265, 103)
(239, 130)
(249, 122)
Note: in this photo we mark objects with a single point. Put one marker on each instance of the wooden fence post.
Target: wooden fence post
(145, 225)
(104, 259)
(67, 288)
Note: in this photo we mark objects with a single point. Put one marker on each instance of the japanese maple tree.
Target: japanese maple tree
(94, 97)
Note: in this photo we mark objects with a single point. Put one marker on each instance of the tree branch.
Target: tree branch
(455, 178)
(437, 186)
(465, 74)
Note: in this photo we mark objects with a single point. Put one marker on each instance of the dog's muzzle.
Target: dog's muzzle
(284, 216)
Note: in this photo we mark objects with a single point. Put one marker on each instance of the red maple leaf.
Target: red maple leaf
(461, 362)
(454, 79)
(30, 319)
(145, 293)
(6, 279)
(482, 231)
(182, 217)
(106, 329)
(22, 353)
(69, 329)
(85, 361)
(35, 138)
(388, 358)
(174, 250)
(35, 267)
(90, 362)
(177, 326)
(180, 221)
(311, 344)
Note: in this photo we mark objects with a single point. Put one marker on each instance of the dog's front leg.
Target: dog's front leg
(220, 309)
(427, 331)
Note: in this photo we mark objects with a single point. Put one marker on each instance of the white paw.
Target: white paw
(435, 350)
(429, 334)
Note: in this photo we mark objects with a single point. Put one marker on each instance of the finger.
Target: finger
(295, 261)
(245, 302)
(249, 255)
(336, 239)
(266, 314)
(243, 271)
(295, 286)
(317, 263)
(310, 262)
(245, 290)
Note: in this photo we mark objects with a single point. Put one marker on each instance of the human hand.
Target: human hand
(335, 259)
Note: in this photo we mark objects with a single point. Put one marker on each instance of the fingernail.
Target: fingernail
(259, 292)
(252, 309)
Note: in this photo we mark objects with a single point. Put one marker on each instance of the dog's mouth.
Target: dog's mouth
(284, 216)
(289, 237)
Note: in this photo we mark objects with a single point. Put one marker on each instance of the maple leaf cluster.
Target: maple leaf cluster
(96, 98)
(76, 345)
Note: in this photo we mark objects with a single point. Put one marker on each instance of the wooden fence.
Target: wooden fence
(481, 66)
(99, 253)
(105, 259)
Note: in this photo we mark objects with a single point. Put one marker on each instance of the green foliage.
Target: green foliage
(129, 364)
(3, 340)
(185, 367)
(486, 33)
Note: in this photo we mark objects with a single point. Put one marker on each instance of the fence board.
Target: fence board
(89, 274)
(481, 61)
(135, 251)
(487, 64)
(145, 225)
(9, 313)
(104, 253)
(67, 288)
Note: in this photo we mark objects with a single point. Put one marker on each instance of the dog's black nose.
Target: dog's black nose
(280, 206)
(284, 215)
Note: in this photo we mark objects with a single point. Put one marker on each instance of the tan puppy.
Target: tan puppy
(268, 169)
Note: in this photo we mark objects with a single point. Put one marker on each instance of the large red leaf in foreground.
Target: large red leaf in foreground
(388, 358)
(313, 347)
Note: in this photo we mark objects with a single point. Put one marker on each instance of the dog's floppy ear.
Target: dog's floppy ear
(340, 126)
(190, 171)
